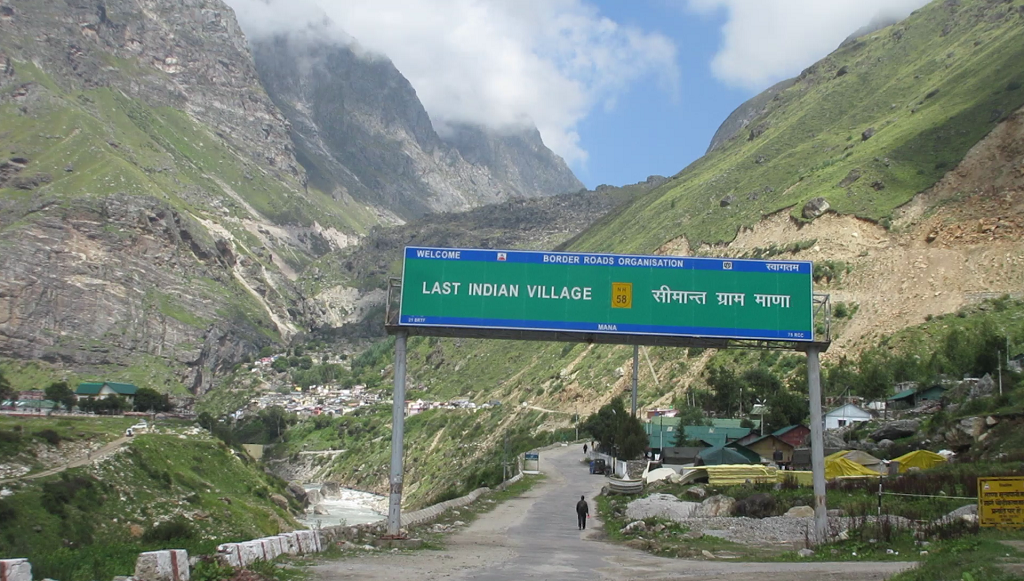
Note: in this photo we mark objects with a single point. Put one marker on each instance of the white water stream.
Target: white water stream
(351, 507)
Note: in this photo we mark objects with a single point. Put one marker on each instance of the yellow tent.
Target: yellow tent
(858, 457)
(843, 468)
(922, 459)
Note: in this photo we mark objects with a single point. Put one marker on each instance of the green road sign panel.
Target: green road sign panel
(607, 293)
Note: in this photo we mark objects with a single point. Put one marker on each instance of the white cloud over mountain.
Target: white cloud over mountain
(764, 41)
(504, 65)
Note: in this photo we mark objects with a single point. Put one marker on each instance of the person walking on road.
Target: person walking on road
(584, 449)
(582, 512)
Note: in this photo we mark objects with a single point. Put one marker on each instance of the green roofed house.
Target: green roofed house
(107, 388)
(915, 396)
(662, 432)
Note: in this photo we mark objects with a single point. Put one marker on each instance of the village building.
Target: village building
(846, 415)
(86, 390)
(767, 446)
(916, 396)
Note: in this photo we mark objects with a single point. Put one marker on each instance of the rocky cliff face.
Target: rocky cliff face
(155, 218)
(185, 54)
(151, 208)
(360, 130)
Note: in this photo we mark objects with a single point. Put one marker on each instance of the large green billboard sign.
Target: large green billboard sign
(607, 293)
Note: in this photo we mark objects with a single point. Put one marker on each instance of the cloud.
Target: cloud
(504, 65)
(764, 41)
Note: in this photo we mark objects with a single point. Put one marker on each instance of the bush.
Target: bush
(760, 505)
(50, 436)
(171, 530)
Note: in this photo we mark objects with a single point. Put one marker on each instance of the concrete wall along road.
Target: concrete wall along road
(170, 565)
(269, 548)
(15, 570)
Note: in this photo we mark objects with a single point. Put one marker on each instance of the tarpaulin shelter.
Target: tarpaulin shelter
(921, 459)
(721, 455)
(843, 468)
(860, 457)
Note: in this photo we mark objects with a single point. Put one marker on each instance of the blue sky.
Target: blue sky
(651, 130)
(620, 89)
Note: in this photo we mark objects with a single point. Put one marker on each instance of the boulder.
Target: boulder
(885, 443)
(805, 553)
(983, 387)
(895, 430)
(300, 494)
(800, 512)
(330, 490)
(314, 497)
(697, 492)
(851, 177)
(318, 509)
(758, 505)
(279, 500)
(973, 426)
(727, 201)
(635, 526)
(814, 208)
(717, 505)
(868, 134)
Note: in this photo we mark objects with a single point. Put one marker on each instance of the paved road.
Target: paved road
(82, 461)
(536, 537)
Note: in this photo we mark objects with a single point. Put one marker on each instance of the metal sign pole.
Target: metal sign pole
(636, 360)
(817, 446)
(397, 436)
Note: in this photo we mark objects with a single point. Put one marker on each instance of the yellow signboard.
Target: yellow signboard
(1001, 501)
(622, 295)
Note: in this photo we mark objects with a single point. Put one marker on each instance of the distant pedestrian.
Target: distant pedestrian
(582, 512)
(584, 449)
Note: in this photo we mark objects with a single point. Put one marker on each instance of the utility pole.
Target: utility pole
(636, 362)
(999, 366)
(397, 438)
(817, 446)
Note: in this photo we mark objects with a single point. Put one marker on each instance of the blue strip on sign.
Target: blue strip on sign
(612, 329)
(621, 260)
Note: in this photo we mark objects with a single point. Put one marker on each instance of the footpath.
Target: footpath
(82, 461)
(536, 536)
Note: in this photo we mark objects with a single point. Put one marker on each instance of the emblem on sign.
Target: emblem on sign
(622, 295)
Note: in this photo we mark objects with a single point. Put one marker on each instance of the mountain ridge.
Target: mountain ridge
(362, 131)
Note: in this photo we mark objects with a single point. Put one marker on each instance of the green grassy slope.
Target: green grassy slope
(91, 522)
(115, 144)
(930, 87)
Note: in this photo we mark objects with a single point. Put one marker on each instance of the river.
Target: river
(351, 507)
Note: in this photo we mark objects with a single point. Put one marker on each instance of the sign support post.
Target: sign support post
(636, 362)
(397, 437)
(817, 446)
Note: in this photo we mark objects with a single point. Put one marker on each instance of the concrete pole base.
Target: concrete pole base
(389, 543)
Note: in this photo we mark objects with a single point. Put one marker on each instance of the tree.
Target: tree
(150, 400)
(689, 415)
(785, 409)
(6, 391)
(275, 420)
(727, 388)
(876, 379)
(630, 437)
(59, 393)
(280, 365)
(617, 430)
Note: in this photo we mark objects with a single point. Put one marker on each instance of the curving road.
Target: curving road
(535, 537)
